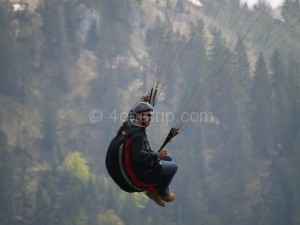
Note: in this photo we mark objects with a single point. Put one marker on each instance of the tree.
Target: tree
(290, 8)
(8, 76)
(56, 51)
(294, 159)
(109, 218)
(281, 106)
(194, 54)
(279, 200)
(220, 81)
(6, 182)
(50, 141)
(242, 70)
(76, 166)
(260, 102)
(293, 102)
(92, 37)
(115, 29)
(49, 13)
(71, 18)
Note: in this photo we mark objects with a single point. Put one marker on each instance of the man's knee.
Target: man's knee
(174, 167)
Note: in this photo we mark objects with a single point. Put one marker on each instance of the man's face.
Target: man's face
(145, 118)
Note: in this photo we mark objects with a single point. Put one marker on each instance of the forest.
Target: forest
(71, 70)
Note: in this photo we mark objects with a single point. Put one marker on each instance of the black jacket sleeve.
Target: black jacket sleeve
(140, 153)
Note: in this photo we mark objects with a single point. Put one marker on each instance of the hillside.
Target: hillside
(71, 70)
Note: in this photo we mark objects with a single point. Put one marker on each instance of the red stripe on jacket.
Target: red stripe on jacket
(129, 169)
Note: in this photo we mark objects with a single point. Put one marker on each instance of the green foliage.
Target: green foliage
(109, 218)
(76, 166)
(241, 168)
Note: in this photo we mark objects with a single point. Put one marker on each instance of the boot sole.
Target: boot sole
(156, 201)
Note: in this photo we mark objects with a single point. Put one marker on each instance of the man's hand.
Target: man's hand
(145, 97)
(163, 154)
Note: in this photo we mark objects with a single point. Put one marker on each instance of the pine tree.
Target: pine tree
(242, 69)
(114, 37)
(260, 102)
(92, 37)
(293, 92)
(295, 166)
(194, 54)
(280, 196)
(290, 8)
(49, 13)
(237, 158)
(50, 142)
(156, 40)
(8, 76)
(281, 107)
(218, 80)
(6, 182)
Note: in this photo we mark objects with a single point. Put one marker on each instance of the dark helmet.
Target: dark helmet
(142, 107)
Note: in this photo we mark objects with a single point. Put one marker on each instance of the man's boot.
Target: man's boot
(168, 197)
(156, 197)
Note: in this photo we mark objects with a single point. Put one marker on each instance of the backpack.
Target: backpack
(118, 163)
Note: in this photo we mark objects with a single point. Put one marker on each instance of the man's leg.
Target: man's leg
(168, 171)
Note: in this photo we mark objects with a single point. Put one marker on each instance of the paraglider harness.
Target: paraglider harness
(119, 164)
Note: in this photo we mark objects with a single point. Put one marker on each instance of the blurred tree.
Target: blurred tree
(219, 174)
(290, 8)
(109, 218)
(7, 190)
(56, 51)
(92, 37)
(76, 166)
(294, 159)
(280, 196)
(242, 70)
(194, 54)
(9, 79)
(236, 158)
(221, 81)
(260, 102)
(114, 38)
(281, 106)
(155, 35)
(293, 93)
(50, 142)
(193, 59)
(49, 13)
(71, 27)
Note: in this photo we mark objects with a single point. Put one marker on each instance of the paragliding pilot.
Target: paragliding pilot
(131, 162)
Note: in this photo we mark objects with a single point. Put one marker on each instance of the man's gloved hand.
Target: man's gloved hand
(145, 97)
(163, 153)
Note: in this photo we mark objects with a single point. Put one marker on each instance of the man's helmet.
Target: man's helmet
(142, 107)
